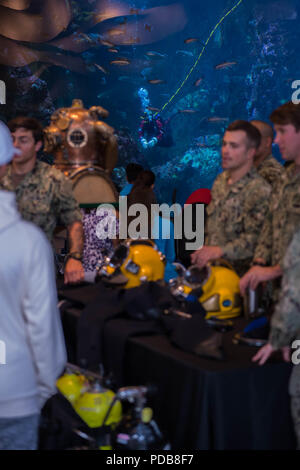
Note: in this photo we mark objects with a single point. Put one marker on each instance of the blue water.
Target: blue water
(246, 69)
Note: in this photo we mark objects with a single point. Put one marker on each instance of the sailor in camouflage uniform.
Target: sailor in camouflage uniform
(285, 325)
(240, 199)
(44, 195)
(283, 218)
(266, 165)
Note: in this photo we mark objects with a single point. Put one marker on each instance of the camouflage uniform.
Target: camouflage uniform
(44, 197)
(235, 217)
(285, 323)
(271, 170)
(282, 220)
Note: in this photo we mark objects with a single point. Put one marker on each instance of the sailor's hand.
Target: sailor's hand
(251, 279)
(205, 254)
(266, 351)
(263, 354)
(256, 275)
(73, 272)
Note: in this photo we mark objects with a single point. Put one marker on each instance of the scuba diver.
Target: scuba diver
(153, 129)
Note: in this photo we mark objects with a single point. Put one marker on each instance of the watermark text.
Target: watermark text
(2, 353)
(2, 92)
(295, 357)
(162, 222)
(296, 94)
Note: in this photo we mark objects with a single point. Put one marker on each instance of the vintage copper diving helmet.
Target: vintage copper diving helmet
(85, 149)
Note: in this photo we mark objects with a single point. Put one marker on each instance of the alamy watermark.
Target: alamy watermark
(166, 222)
(295, 357)
(2, 353)
(2, 92)
(296, 94)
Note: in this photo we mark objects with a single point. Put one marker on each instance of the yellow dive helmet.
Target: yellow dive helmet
(71, 385)
(94, 405)
(215, 287)
(132, 263)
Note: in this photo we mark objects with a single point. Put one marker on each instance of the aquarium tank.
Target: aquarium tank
(201, 65)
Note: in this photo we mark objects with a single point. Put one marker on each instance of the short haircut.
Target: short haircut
(145, 179)
(28, 123)
(253, 134)
(264, 128)
(287, 113)
(142, 195)
(132, 171)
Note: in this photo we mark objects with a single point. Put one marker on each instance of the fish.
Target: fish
(133, 11)
(120, 61)
(217, 119)
(155, 110)
(198, 81)
(156, 81)
(155, 54)
(225, 65)
(115, 31)
(189, 40)
(85, 36)
(148, 28)
(113, 50)
(188, 111)
(185, 53)
(79, 40)
(100, 95)
(104, 42)
(35, 76)
(99, 67)
(132, 40)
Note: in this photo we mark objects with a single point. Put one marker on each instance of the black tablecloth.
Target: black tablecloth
(208, 405)
(201, 403)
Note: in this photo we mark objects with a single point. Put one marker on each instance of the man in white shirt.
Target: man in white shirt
(31, 338)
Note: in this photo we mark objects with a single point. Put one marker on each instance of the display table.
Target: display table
(202, 403)
(206, 404)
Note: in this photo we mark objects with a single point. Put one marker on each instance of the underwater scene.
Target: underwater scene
(194, 66)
